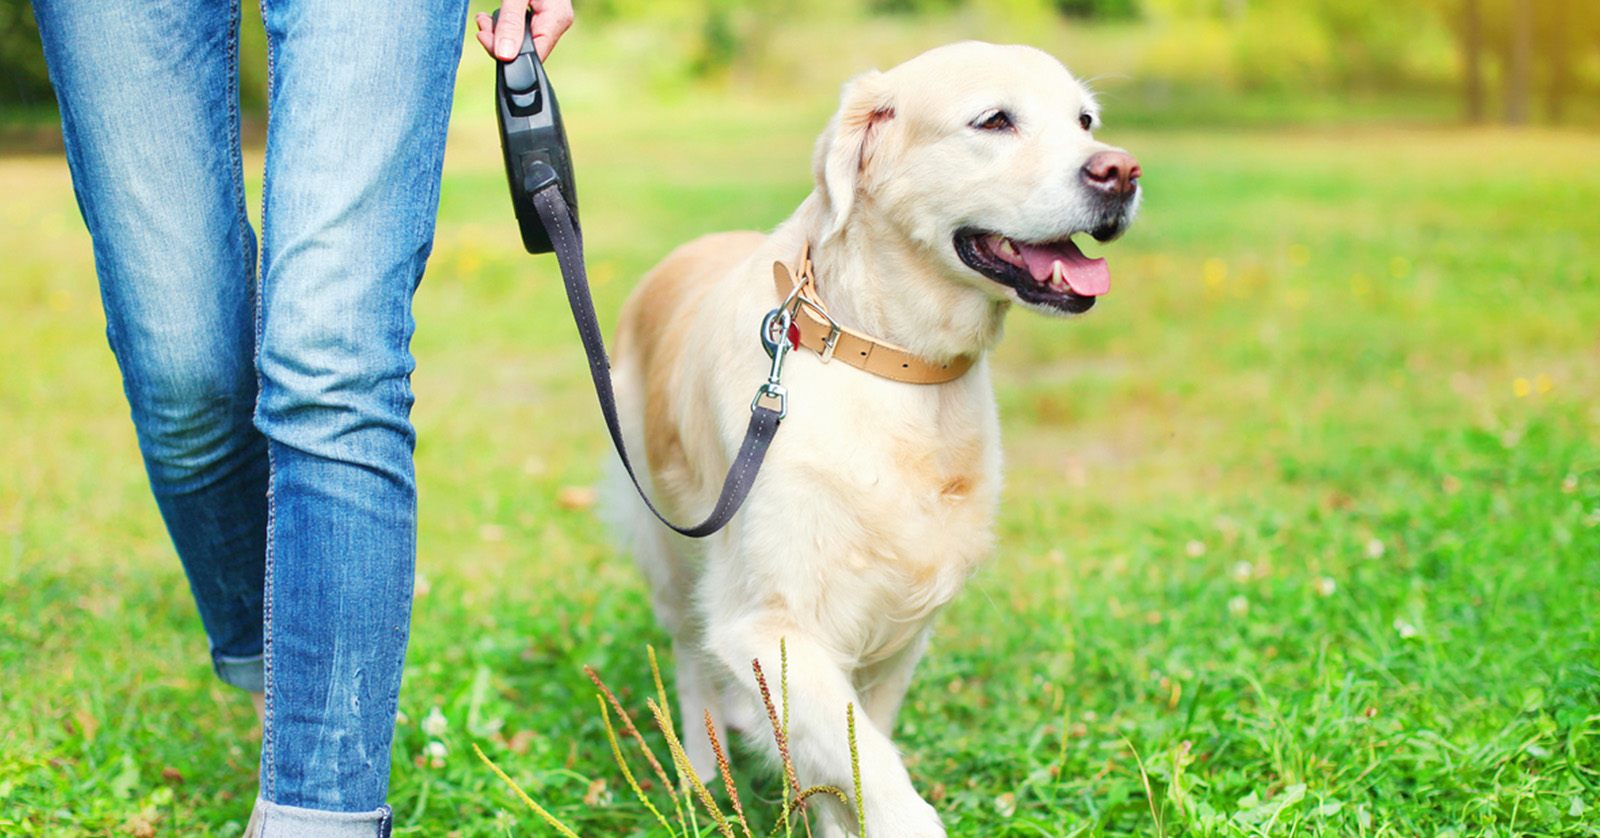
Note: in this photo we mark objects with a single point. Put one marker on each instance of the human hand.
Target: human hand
(551, 18)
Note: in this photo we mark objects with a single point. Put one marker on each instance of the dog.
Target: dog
(948, 190)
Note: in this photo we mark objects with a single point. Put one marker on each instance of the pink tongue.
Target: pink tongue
(1086, 277)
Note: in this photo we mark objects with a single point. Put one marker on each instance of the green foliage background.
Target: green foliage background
(23, 79)
(1173, 48)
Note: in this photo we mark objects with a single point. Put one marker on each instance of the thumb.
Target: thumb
(509, 30)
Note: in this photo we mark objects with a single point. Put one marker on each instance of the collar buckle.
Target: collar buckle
(806, 281)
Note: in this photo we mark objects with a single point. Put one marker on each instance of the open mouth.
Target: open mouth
(1050, 274)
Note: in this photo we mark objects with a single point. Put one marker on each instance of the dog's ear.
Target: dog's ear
(845, 148)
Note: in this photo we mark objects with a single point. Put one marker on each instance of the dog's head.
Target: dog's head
(983, 158)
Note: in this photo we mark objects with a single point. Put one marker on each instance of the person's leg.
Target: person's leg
(149, 112)
(359, 108)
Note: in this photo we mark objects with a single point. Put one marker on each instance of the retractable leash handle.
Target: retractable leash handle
(539, 171)
(532, 138)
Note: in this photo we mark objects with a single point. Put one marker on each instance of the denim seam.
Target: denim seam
(236, 143)
(234, 149)
(269, 755)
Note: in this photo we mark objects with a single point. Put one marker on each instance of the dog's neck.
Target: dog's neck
(877, 281)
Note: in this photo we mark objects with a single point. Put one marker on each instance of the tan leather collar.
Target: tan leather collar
(820, 334)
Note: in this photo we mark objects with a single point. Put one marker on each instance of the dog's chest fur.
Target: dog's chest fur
(896, 486)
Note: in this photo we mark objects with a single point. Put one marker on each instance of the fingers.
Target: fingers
(485, 31)
(503, 39)
(551, 18)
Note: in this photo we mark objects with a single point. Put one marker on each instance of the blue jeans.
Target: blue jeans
(273, 410)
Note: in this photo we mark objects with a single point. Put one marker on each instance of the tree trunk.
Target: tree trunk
(1519, 73)
(1560, 85)
(1560, 44)
(1472, 57)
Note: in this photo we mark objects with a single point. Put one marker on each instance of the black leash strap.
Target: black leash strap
(557, 217)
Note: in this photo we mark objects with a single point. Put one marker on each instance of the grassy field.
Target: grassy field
(1301, 534)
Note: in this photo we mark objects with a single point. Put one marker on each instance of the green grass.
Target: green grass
(1304, 519)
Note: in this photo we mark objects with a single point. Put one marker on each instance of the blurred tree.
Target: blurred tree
(1539, 46)
(1085, 9)
(1563, 32)
(1541, 49)
(907, 7)
(720, 45)
(733, 35)
(1471, 28)
(1518, 60)
(1371, 40)
(1099, 9)
(23, 79)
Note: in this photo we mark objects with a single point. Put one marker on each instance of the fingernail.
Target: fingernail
(506, 48)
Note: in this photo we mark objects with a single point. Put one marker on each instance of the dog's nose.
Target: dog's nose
(1115, 173)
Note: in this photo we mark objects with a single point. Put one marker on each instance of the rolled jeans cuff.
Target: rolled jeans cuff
(248, 674)
(275, 821)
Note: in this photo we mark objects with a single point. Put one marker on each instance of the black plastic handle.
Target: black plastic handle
(532, 139)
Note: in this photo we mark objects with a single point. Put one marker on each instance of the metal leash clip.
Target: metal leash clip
(801, 279)
(777, 335)
(774, 331)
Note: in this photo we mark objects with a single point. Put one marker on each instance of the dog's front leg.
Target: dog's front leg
(819, 691)
(889, 681)
(699, 697)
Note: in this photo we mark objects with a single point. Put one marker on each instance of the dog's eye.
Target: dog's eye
(994, 121)
(1086, 121)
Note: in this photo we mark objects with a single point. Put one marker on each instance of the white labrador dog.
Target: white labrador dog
(947, 192)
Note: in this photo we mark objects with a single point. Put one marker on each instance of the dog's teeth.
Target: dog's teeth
(1058, 275)
(1007, 248)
